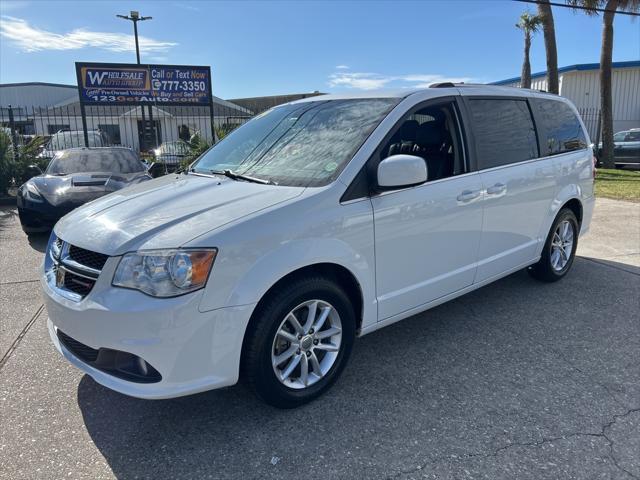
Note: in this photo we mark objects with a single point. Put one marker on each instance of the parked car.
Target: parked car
(73, 178)
(627, 148)
(172, 153)
(315, 223)
(66, 139)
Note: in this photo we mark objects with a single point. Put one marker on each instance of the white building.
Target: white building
(581, 84)
(45, 108)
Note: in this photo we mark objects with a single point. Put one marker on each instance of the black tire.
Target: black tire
(544, 270)
(256, 365)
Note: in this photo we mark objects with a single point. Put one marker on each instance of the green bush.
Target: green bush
(15, 162)
(6, 162)
(28, 155)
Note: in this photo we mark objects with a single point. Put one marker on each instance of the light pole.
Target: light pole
(135, 17)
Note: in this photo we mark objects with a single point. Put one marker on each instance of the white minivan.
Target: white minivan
(317, 222)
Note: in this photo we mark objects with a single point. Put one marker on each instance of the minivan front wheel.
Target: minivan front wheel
(559, 250)
(298, 341)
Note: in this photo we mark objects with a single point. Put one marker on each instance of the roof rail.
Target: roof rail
(442, 85)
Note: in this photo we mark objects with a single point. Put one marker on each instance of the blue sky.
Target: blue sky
(268, 48)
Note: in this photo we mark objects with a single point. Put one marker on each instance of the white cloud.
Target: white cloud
(374, 81)
(360, 81)
(32, 39)
(342, 67)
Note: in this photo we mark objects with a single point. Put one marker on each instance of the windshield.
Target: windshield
(64, 140)
(619, 137)
(102, 160)
(173, 147)
(305, 144)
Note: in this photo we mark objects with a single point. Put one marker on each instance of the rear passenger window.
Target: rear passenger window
(504, 132)
(563, 132)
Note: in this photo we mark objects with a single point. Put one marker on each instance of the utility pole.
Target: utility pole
(135, 17)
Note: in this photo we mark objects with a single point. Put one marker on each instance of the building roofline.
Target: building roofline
(38, 84)
(571, 68)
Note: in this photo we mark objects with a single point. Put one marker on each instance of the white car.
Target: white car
(315, 223)
(65, 139)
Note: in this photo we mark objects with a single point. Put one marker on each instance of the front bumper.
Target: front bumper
(39, 216)
(193, 351)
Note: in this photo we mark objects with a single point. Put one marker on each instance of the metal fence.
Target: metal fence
(141, 128)
(592, 120)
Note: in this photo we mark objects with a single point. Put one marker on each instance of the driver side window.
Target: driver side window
(431, 133)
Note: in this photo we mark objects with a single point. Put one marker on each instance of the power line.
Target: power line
(578, 7)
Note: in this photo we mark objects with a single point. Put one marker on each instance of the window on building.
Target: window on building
(112, 133)
(504, 132)
(562, 129)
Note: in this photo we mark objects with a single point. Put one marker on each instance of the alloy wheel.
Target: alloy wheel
(562, 245)
(306, 344)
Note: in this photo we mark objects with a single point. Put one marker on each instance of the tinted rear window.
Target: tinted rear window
(107, 161)
(504, 131)
(562, 130)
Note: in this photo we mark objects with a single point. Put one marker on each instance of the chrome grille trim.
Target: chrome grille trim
(62, 270)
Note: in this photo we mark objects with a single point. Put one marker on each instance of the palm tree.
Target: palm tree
(529, 24)
(606, 59)
(549, 30)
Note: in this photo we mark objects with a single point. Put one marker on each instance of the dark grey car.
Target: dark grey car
(73, 178)
(626, 148)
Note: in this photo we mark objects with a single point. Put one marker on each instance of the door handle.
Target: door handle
(468, 195)
(497, 189)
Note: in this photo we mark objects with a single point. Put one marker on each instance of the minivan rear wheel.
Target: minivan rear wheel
(559, 249)
(298, 341)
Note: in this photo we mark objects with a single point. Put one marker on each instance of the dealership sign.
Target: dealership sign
(119, 84)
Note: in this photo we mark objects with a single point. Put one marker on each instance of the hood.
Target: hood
(80, 188)
(166, 212)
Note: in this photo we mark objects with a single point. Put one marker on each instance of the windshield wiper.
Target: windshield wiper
(238, 176)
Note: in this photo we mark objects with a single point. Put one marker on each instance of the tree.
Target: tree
(606, 59)
(529, 24)
(549, 30)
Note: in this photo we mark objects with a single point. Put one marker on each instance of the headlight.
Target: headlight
(31, 192)
(165, 273)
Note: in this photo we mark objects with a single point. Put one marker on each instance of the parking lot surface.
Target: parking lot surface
(516, 380)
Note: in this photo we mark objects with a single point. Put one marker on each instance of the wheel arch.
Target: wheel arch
(333, 271)
(575, 205)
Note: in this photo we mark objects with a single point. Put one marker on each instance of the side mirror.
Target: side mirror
(33, 171)
(399, 171)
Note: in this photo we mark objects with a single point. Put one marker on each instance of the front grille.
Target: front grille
(80, 350)
(73, 271)
(91, 259)
(77, 284)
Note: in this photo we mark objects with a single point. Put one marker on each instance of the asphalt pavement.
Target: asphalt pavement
(516, 380)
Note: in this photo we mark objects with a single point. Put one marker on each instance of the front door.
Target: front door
(426, 241)
(427, 237)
